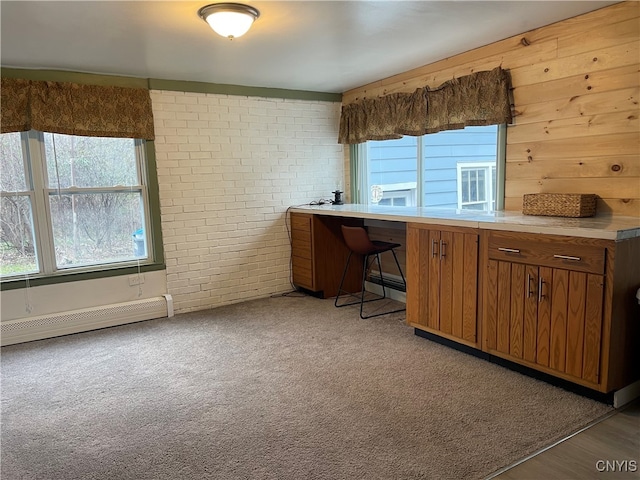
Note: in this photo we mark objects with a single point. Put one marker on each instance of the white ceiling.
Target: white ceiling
(326, 46)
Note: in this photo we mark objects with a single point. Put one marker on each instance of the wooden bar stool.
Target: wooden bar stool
(358, 241)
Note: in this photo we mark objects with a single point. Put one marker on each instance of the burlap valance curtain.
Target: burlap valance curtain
(481, 98)
(76, 109)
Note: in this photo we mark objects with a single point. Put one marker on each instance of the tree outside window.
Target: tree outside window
(70, 202)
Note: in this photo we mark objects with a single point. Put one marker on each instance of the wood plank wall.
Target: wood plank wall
(576, 86)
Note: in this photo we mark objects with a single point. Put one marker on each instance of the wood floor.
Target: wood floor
(584, 456)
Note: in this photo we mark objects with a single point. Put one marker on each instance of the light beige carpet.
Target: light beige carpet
(280, 388)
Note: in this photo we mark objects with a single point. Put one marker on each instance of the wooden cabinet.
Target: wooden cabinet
(548, 304)
(302, 251)
(562, 305)
(442, 281)
(548, 316)
(318, 254)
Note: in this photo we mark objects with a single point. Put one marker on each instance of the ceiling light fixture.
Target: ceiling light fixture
(230, 20)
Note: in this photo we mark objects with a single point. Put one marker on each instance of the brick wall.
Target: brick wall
(228, 168)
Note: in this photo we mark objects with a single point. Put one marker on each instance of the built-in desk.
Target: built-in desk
(556, 295)
(602, 226)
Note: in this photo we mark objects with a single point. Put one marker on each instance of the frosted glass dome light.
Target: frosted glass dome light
(230, 20)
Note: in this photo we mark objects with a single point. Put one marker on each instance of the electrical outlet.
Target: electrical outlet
(136, 279)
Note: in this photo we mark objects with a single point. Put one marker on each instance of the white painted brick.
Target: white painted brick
(227, 175)
(230, 101)
(208, 100)
(172, 107)
(187, 99)
(162, 130)
(173, 139)
(186, 115)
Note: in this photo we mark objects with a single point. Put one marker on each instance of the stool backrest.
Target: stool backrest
(357, 239)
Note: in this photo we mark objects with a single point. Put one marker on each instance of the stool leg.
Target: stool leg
(384, 290)
(365, 267)
(404, 281)
(344, 274)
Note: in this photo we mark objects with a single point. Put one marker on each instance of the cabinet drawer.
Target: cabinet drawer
(301, 239)
(301, 222)
(302, 272)
(545, 252)
(303, 263)
(301, 250)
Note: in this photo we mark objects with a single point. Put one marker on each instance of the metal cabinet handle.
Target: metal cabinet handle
(443, 244)
(568, 257)
(540, 294)
(509, 250)
(529, 291)
(434, 244)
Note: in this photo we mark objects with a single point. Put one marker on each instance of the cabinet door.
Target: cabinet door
(433, 293)
(417, 272)
(544, 315)
(576, 323)
(547, 316)
(423, 277)
(513, 317)
(530, 314)
(459, 284)
(442, 283)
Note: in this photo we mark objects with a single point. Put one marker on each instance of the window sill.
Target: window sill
(35, 281)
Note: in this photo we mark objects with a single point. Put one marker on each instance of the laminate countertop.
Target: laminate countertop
(601, 226)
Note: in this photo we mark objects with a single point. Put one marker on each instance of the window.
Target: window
(476, 184)
(72, 204)
(450, 169)
(399, 194)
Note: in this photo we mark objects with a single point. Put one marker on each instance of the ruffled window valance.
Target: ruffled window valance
(76, 109)
(481, 98)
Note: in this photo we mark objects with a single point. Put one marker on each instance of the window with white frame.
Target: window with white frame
(476, 184)
(398, 194)
(72, 204)
(427, 171)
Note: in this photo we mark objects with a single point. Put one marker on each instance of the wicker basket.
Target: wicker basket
(559, 204)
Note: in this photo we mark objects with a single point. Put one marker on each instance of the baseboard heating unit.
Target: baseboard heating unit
(75, 321)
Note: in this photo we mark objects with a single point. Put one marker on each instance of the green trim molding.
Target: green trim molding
(353, 173)
(75, 77)
(15, 284)
(153, 190)
(203, 87)
(111, 271)
(171, 85)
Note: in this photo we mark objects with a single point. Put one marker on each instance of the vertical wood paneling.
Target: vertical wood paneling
(433, 244)
(504, 306)
(470, 290)
(593, 329)
(412, 272)
(491, 320)
(517, 310)
(442, 281)
(424, 280)
(458, 285)
(446, 281)
(575, 322)
(567, 80)
(544, 316)
(559, 302)
(530, 333)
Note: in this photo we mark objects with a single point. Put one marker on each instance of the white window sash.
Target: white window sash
(36, 177)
